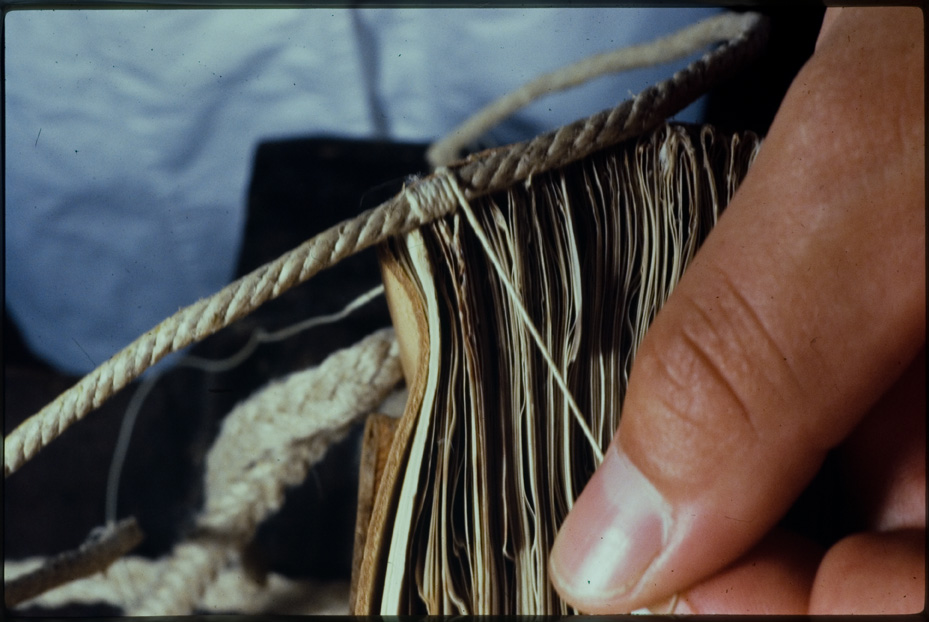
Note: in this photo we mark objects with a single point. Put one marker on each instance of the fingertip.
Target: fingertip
(617, 528)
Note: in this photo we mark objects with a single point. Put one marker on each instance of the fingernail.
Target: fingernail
(617, 527)
(675, 605)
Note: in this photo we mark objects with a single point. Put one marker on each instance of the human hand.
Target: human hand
(799, 327)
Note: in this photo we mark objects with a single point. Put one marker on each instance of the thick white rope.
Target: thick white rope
(259, 336)
(267, 444)
(232, 590)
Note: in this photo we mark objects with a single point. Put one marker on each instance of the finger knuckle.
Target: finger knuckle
(720, 374)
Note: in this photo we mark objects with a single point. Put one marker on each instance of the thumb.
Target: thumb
(801, 308)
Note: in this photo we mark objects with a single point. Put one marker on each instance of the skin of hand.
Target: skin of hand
(798, 329)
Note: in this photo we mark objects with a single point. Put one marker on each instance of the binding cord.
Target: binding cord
(481, 174)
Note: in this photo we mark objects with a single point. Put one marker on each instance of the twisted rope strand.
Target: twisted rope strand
(96, 554)
(490, 171)
(266, 444)
(481, 174)
(662, 50)
(192, 568)
(399, 215)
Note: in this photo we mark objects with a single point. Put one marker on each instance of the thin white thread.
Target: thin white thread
(122, 444)
(258, 337)
(451, 183)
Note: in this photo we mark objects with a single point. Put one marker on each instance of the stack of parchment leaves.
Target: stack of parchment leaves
(460, 499)
(521, 282)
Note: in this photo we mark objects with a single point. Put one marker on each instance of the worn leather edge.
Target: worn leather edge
(376, 441)
(407, 311)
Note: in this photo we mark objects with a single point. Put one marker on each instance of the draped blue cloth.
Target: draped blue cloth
(130, 134)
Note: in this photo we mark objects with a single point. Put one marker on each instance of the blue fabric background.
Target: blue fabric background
(130, 134)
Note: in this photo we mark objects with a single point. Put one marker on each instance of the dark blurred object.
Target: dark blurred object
(300, 187)
(750, 100)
